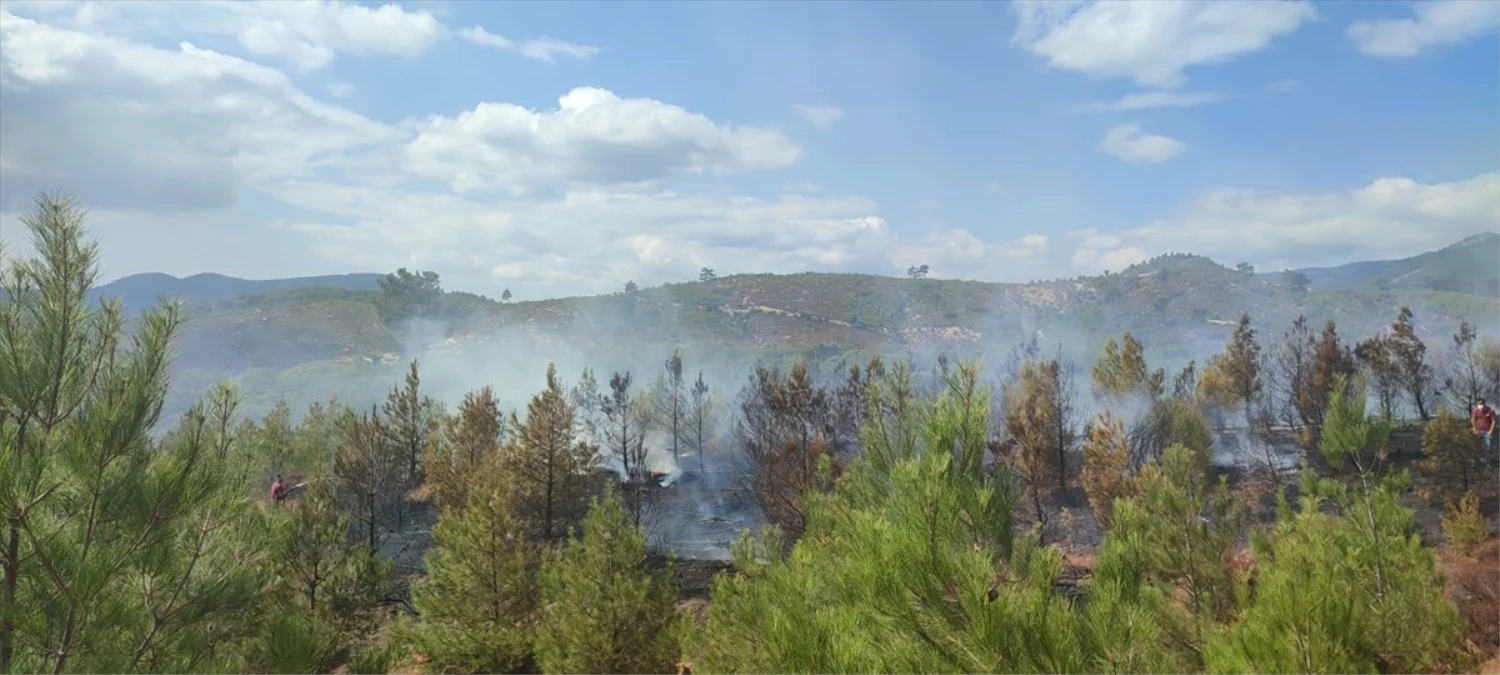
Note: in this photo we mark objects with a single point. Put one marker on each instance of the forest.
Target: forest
(964, 517)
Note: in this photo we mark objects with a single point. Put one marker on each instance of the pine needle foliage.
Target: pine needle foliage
(1181, 533)
(326, 587)
(1107, 472)
(603, 610)
(1454, 456)
(118, 553)
(1343, 585)
(1464, 523)
(478, 598)
(1351, 439)
(909, 570)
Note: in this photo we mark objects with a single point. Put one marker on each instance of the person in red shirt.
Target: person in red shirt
(1483, 418)
(276, 490)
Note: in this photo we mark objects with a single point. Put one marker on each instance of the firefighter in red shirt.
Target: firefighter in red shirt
(1483, 418)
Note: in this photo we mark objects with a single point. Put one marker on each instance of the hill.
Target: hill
(139, 291)
(1470, 266)
(309, 343)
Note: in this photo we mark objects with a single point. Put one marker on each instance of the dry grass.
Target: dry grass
(1474, 586)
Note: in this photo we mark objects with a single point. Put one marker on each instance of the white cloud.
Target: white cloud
(575, 199)
(593, 136)
(541, 49)
(307, 34)
(1158, 99)
(1129, 143)
(1436, 23)
(341, 89)
(134, 126)
(1151, 41)
(1283, 86)
(958, 253)
(1389, 218)
(820, 116)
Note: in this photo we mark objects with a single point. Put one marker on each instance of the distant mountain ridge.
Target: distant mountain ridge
(1470, 266)
(316, 336)
(139, 291)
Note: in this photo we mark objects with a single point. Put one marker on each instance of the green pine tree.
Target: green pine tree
(327, 586)
(119, 553)
(602, 610)
(1352, 591)
(479, 596)
(1179, 534)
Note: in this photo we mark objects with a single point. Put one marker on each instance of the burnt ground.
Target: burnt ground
(695, 578)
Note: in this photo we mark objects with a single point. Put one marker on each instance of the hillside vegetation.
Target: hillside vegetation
(1468, 266)
(890, 517)
(308, 337)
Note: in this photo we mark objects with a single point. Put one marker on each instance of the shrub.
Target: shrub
(1464, 525)
(1453, 456)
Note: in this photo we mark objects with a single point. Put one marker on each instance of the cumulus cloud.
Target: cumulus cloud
(1158, 99)
(573, 199)
(1151, 41)
(1129, 143)
(1434, 23)
(593, 136)
(820, 116)
(139, 127)
(1389, 218)
(541, 49)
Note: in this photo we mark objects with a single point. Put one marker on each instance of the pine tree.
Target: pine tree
(1352, 591)
(602, 610)
(700, 418)
(409, 420)
(550, 465)
(1039, 431)
(625, 428)
(1410, 357)
(1182, 533)
(478, 598)
(1352, 439)
(327, 586)
(1242, 364)
(464, 441)
(1171, 422)
(1382, 370)
(94, 508)
(1106, 466)
(669, 400)
(1464, 380)
(369, 479)
(1454, 456)
(910, 570)
(1289, 373)
(1331, 362)
(1122, 372)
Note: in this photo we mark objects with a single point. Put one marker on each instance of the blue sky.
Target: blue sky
(992, 141)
